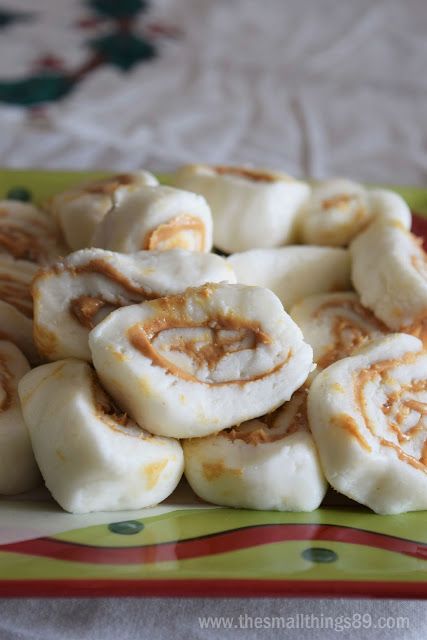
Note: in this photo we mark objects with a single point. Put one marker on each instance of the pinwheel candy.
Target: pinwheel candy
(335, 324)
(18, 468)
(339, 209)
(91, 455)
(368, 414)
(192, 364)
(293, 273)
(157, 218)
(389, 272)
(80, 209)
(29, 234)
(73, 295)
(16, 305)
(266, 463)
(250, 207)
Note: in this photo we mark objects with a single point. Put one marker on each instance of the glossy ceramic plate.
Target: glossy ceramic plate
(184, 547)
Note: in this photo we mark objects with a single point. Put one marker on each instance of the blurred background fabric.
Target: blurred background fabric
(316, 87)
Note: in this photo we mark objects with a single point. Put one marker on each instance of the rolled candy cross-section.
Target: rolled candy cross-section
(339, 209)
(18, 468)
(389, 271)
(192, 364)
(17, 328)
(294, 272)
(92, 456)
(72, 296)
(29, 234)
(15, 283)
(270, 462)
(250, 207)
(368, 415)
(80, 209)
(157, 218)
(335, 324)
(16, 304)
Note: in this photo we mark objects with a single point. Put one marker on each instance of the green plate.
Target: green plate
(185, 547)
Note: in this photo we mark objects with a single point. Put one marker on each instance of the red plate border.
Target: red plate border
(211, 588)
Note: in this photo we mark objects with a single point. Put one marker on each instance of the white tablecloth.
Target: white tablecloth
(179, 619)
(316, 87)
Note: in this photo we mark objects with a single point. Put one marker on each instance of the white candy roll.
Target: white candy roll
(15, 283)
(80, 209)
(92, 456)
(16, 304)
(389, 206)
(193, 364)
(17, 328)
(339, 209)
(157, 219)
(73, 295)
(266, 463)
(368, 416)
(29, 234)
(18, 468)
(335, 324)
(390, 274)
(250, 207)
(336, 211)
(294, 272)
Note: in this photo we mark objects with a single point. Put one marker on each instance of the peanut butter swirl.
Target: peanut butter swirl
(17, 293)
(84, 308)
(103, 268)
(109, 186)
(21, 243)
(105, 187)
(182, 232)
(281, 423)
(352, 326)
(341, 201)
(109, 413)
(217, 336)
(404, 408)
(28, 234)
(253, 175)
(348, 203)
(6, 386)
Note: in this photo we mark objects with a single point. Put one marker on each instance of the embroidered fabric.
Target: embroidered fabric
(316, 88)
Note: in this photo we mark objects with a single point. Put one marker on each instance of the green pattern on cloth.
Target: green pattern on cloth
(115, 9)
(122, 47)
(35, 90)
(10, 17)
(123, 50)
